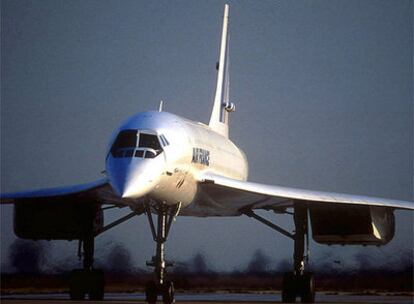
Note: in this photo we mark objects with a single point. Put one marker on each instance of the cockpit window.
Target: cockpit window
(125, 139)
(118, 153)
(129, 153)
(132, 143)
(164, 141)
(149, 141)
(149, 154)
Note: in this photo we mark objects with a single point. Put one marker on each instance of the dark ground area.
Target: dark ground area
(367, 281)
(29, 274)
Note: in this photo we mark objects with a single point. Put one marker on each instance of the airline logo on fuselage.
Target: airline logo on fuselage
(201, 156)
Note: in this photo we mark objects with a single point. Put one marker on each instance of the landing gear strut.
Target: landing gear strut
(299, 283)
(160, 286)
(87, 280)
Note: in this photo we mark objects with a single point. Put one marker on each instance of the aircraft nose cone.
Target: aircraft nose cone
(135, 188)
(127, 191)
(131, 179)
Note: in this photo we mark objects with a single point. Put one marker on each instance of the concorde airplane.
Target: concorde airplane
(165, 165)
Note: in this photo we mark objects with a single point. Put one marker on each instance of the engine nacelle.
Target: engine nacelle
(358, 225)
(57, 220)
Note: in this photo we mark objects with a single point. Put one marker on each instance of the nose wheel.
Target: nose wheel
(166, 291)
(160, 286)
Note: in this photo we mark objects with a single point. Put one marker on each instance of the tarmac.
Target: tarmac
(210, 298)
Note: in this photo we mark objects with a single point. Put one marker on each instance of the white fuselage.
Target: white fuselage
(188, 148)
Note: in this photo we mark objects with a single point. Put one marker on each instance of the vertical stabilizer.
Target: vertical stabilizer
(222, 107)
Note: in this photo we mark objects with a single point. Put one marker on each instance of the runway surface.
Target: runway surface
(138, 298)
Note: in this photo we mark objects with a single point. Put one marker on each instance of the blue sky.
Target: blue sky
(323, 91)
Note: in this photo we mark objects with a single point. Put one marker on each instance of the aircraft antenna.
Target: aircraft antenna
(160, 106)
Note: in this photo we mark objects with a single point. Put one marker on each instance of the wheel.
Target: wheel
(168, 292)
(96, 285)
(307, 288)
(76, 286)
(151, 292)
(289, 288)
(82, 282)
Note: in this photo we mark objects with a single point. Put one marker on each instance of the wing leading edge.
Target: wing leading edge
(257, 196)
(99, 191)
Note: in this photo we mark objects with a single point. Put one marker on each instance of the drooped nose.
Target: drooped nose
(133, 177)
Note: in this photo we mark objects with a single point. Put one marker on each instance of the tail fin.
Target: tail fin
(219, 116)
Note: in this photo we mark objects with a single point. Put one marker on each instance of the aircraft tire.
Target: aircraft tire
(168, 292)
(76, 286)
(96, 285)
(307, 288)
(151, 292)
(82, 282)
(289, 288)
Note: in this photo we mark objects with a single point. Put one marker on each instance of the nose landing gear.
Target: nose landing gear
(160, 286)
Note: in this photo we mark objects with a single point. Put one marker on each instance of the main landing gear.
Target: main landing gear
(297, 283)
(160, 286)
(87, 281)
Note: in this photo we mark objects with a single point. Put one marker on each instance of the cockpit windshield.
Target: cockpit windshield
(133, 143)
(149, 141)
